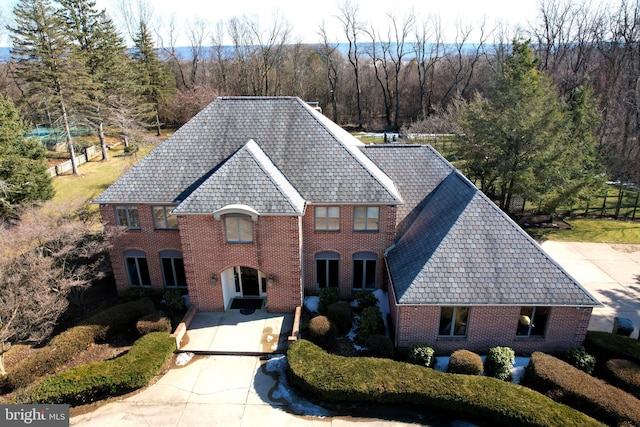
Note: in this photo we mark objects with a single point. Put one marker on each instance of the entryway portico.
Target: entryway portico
(243, 282)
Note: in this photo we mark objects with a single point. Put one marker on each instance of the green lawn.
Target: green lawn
(600, 230)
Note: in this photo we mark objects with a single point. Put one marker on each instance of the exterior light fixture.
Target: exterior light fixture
(214, 280)
(270, 281)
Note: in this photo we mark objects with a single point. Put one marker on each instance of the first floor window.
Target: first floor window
(364, 270)
(453, 321)
(173, 269)
(532, 321)
(163, 219)
(366, 218)
(239, 228)
(327, 218)
(137, 268)
(327, 270)
(127, 216)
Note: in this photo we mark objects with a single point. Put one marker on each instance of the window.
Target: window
(453, 321)
(327, 218)
(173, 269)
(532, 321)
(364, 270)
(163, 219)
(127, 216)
(327, 270)
(239, 228)
(137, 268)
(365, 218)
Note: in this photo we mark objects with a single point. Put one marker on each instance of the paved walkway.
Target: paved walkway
(611, 272)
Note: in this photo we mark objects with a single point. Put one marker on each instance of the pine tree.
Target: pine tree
(23, 174)
(47, 62)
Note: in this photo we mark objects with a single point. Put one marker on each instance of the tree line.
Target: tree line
(402, 77)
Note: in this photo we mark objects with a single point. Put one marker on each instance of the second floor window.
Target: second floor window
(162, 218)
(239, 228)
(327, 218)
(127, 216)
(366, 218)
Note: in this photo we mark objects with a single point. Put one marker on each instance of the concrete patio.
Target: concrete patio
(238, 332)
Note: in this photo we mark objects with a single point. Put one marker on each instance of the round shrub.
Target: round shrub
(153, 323)
(379, 346)
(422, 354)
(327, 297)
(365, 299)
(465, 362)
(341, 314)
(371, 323)
(499, 362)
(624, 374)
(582, 360)
(322, 331)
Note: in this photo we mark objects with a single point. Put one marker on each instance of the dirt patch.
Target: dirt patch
(627, 249)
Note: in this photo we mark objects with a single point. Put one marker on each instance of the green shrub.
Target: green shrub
(71, 342)
(604, 346)
(135, 293)
(369, 380)
(378, 346)
(582, 360)
(327, 297)
(341, 314)
(371, 323)
(365, 299)
(322, 331)
(571, 386)
(153, 323)
(465, 362)
(88, 383)
(499, 362)
(174, 301)
(623, 374)
(422, 354)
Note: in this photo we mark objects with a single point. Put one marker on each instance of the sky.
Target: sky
(305, 18)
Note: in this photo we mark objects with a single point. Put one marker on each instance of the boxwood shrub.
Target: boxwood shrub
(365, 299)
(604, 346)
(68, 344)
(322, 331)
(499, 362)
(88, 383)
(371, 323)
(340, 379)
(341, 314)
(582, 360)
(378, 346)
(153, 322)
(566, 384)
(624, 374)
(465, 362)
(327, 297)
(422, 354)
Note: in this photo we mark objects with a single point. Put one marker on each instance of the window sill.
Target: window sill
(366, 231)
(451, 338)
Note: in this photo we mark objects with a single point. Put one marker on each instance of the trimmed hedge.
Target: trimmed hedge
(624, 374)
(68, 344)
(322, 331)
(465, 362)
(566, 384)
(153, 322)
(604, 346)
(341, 379)
(95, 381)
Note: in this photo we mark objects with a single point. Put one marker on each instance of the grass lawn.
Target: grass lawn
(599, 230)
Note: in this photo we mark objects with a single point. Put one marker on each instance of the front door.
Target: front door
(250, 283)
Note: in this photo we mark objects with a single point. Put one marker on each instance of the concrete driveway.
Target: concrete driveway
(611, 272)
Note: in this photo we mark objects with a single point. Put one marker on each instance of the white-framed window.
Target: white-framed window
(137, 268)
(127, 216)
(327, 270)
(532, 321)
(173, 269)
(366, 218)
(453, 321)
(239, 228)
(327, 218)
(364, 270)
(163, 219)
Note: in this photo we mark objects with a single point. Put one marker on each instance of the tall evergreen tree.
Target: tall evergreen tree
(23, 176)
(47, 62)
(153, 76)
(523, 139)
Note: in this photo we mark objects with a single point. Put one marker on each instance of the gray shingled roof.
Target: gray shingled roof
(320, 161)
(248, 177)
(462, 250)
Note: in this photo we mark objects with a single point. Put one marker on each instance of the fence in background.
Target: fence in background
(90, 153)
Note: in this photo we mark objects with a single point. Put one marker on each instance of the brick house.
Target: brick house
(266, 198)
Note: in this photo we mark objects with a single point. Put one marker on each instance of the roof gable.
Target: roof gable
(462, 250)
(249, 178)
